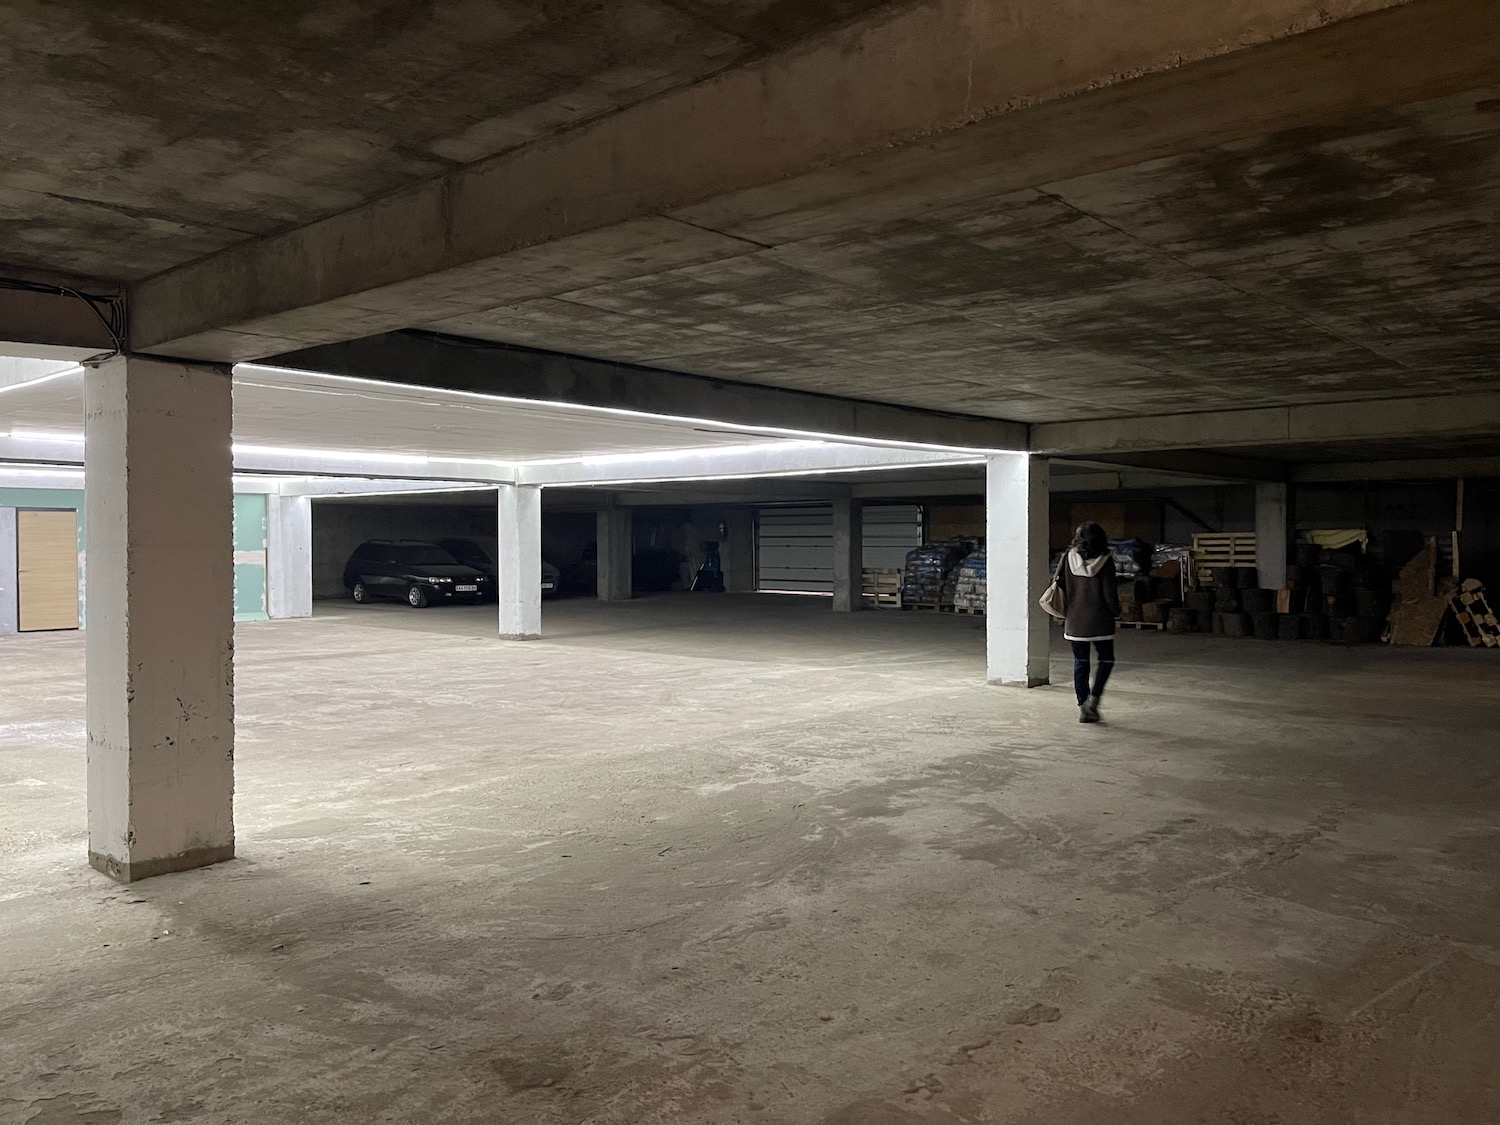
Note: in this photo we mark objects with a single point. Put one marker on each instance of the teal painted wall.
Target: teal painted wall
(250, 557)
(249, 542)
(53, 498)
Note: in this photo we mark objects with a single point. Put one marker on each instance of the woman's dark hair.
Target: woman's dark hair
(1090, 540)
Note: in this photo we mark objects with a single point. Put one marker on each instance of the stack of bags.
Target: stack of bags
(926, 580)
(970, 582)
(1132, 557)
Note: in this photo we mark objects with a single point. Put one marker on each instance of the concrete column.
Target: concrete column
(519, 563)
(288, 556)
(160, 640)
(616, 544)
(9, 609)
(737, 552)
(1273, 533)
(1016, 527)
(848, 555)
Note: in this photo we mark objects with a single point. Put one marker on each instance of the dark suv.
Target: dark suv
(417, 572)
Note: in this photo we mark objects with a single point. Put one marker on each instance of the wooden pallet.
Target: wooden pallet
(882, 586)
(1214, 550)
(1158, 626)
(932, 607)
(1471, 609)
(968, 611)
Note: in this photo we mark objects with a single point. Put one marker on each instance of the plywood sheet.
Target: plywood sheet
(47, 570)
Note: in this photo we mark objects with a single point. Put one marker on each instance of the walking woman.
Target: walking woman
(1091, 596)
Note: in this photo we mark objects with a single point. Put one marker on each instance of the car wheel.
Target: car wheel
(416, 597)
(361, 595)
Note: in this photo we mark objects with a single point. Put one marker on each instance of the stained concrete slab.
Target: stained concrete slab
(198, 128)
(738, 860)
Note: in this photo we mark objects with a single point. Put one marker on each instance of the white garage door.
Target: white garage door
(795, 543)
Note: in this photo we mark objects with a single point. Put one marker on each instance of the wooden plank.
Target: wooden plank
(1418, 613)
(46, 570)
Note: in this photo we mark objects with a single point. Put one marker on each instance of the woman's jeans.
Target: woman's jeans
(1106, 650)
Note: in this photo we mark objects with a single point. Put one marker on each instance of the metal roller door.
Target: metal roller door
(891, 530)
(795, 543)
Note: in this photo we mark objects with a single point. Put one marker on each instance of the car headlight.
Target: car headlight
(440, 580)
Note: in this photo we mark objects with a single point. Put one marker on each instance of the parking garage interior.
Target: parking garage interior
(717, 798)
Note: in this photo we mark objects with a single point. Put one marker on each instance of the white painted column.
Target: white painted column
(1016, 519)
(737, 552)
(519, 564)
(848, 555)
(288, 556)
(9, 607)
(160, 640)
(1273, 533)
(616, 545)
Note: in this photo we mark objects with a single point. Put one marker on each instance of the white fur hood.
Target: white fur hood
(1087, 569)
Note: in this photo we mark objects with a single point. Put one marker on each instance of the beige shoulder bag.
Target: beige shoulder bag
(1054, 601)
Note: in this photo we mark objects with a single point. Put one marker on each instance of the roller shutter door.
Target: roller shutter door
(795, 543)
(891, 530)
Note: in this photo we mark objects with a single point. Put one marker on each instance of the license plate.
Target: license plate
(546, 585)
(465, 589)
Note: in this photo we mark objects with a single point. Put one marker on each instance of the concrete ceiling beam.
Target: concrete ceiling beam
(1128, 480)
(418, 358)
(58, 316)
(956, 485)
(1197, 463)
(365, 486)
(744, 494)
(68, 450)
(766, 461)
(894, 113)
(1430, 468)
(1379, 420)
(375, 467)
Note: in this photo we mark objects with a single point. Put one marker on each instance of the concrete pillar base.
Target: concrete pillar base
(125, 871)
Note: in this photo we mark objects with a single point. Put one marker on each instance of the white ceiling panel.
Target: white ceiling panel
(305, 410)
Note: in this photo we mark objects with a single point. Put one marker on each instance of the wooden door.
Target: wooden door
(46, 570)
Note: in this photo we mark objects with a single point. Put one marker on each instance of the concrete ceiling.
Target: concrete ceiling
(1280, 216)
(137, 137)
(1319, 264)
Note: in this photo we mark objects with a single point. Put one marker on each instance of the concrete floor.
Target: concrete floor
(698, 860)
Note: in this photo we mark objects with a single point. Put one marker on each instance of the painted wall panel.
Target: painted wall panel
(249, 544)
(250, 557)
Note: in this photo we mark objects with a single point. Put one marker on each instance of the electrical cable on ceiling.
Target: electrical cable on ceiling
(112, 317)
